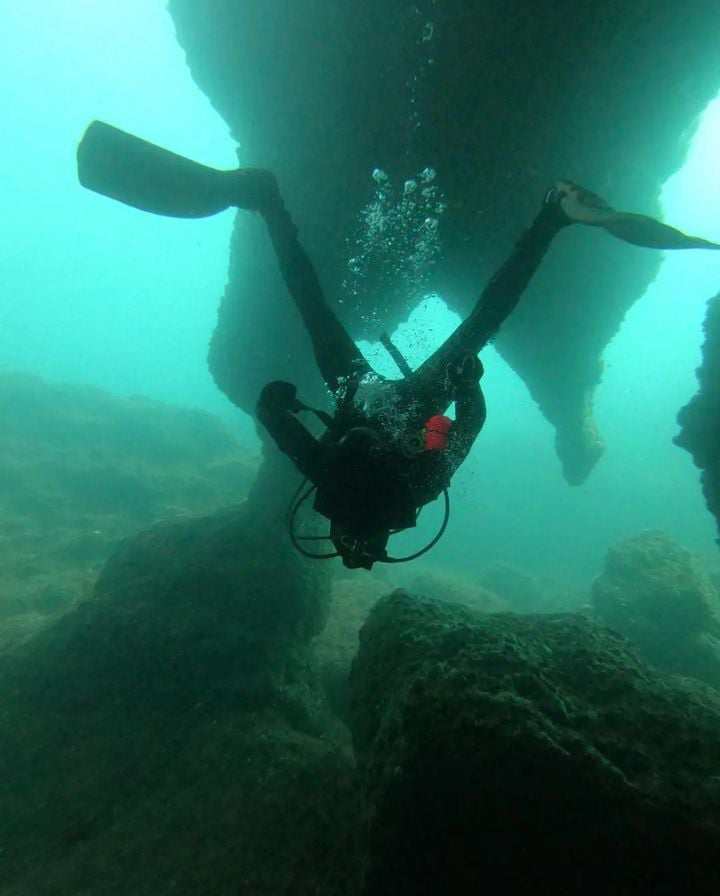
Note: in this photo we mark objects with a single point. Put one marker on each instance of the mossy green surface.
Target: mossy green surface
(655, 593)
(80, 469)
(535, 751)
(168, 733)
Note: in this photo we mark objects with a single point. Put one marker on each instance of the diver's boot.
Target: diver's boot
(578, 205)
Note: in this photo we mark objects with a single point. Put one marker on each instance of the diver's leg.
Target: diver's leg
(429, 384)
(337, 355)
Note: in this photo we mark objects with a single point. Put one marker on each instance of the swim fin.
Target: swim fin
(580, 206)
(124, 167)
(643, 231)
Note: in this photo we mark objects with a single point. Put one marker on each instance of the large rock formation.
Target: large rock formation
(700, 419)
(500, 98)
(653, 592)
(535, 752)
(80, 469)
(167, 735)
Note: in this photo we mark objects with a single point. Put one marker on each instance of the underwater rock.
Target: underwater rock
(168, 736)
(458, 588)
(700, 418)
(500, 103)
(336, 645)
(534, 751)
(518, 589)
(523, 593)
(353, 598)
(653, 593)
(195, 609)
(80, 469)
(16, 630)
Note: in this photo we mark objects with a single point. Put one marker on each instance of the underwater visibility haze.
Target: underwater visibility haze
(96, 293)
(151, 604)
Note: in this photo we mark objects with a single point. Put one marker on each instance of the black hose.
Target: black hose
(299, 499)
(396, 355)
(297, 502)
(427, 547)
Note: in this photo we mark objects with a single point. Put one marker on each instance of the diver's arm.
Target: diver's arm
(464, 374)
(433, 470)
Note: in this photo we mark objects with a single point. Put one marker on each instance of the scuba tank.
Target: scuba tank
(378, 399)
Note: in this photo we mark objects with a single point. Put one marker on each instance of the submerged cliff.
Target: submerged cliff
(700, 418)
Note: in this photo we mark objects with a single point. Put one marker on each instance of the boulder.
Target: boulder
(653, 591)
(168, 735)
(81, 469)
(535, 752)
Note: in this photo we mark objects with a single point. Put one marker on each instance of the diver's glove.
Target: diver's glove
(465, 372)
(280, 396)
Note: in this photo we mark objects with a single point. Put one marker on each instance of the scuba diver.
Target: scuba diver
(388, 449)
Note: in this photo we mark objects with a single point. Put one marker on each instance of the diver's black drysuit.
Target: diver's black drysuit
(369, 492)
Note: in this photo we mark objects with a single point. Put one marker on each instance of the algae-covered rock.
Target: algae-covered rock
(190, 609)
(80, 469)
(536, 752)
(167, 735)
(653, 592)
(353, 599)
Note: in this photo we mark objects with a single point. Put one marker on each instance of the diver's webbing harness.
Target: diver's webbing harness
(302, 494)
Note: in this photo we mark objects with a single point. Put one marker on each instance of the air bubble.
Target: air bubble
(391, 256)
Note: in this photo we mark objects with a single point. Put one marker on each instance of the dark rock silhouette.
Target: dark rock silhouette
(535, 752)
(700, 418)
